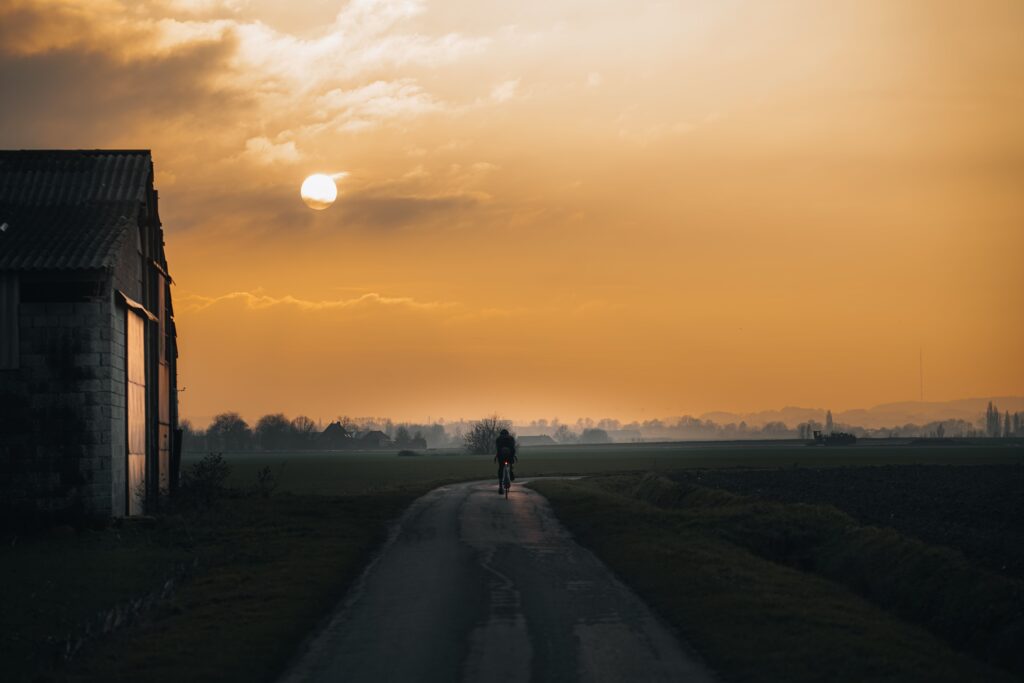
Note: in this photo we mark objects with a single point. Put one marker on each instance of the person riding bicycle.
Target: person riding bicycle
(505, 451)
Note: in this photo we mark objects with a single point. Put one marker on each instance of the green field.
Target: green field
(780, 591)
(346, 472)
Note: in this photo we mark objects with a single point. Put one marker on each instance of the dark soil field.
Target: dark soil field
(978, 510)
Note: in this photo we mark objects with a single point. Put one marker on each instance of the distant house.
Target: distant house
(538, 440)
(625, 435)
(88, 346)
(335, 436)
(373, 439)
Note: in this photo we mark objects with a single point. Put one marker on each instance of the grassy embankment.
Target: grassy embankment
(796, 592)
(256, 577)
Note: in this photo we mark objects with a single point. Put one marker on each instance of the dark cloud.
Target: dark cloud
(23, 26)
(264, 212)
(257, 211)
(382, 211)
(83, 97)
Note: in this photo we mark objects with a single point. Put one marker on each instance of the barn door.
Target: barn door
(164, 391)
(136, 350)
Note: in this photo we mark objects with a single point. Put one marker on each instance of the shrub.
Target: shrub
(205, 481)
(267, 481)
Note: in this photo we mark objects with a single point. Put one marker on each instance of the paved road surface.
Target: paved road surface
(478, 588)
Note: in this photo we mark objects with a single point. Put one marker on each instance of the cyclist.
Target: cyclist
(505, 451)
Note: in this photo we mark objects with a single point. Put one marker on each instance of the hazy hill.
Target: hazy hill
(884, 415)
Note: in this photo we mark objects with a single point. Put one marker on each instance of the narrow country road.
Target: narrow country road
(474, 587)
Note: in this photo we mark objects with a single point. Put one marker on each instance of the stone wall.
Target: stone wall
(58, 411)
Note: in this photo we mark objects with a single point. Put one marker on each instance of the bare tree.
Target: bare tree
(565, 435)
(481, 436)
(273, 432)
(229, 432)
(304, 431)
(991, 420)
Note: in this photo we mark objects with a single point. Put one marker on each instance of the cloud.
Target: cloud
(257, 301)
(369, 209)
(76, 98)
(262, 150)
(205, 6)
(368, 106)
(594, 79)
(505, 91)
(67, 52)
(31, 28)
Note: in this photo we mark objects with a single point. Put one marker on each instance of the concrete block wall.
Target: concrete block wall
(127, 277)
(56, 448)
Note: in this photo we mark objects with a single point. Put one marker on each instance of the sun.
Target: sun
(319, 191)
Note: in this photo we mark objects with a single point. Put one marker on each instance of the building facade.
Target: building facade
(88, 345)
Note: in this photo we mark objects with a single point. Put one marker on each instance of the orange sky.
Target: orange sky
(620, 208)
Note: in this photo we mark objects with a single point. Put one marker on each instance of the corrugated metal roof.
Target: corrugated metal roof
(69, 209)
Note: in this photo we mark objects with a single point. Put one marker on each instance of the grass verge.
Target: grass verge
(266, 571)
(752, 616)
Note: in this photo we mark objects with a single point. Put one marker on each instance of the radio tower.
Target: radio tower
(920, 373)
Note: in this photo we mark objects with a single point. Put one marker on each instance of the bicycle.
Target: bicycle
(506, 479)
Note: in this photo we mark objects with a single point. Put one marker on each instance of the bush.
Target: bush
(206, 481)
(267, 481)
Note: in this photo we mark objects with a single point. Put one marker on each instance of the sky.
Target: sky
(560, 208)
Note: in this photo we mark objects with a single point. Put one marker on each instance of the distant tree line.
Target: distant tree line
(1002, 426)
(230, 432)
(276, 432)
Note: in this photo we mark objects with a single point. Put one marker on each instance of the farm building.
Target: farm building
(334, 436)
(88, 348)
(373, 439)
